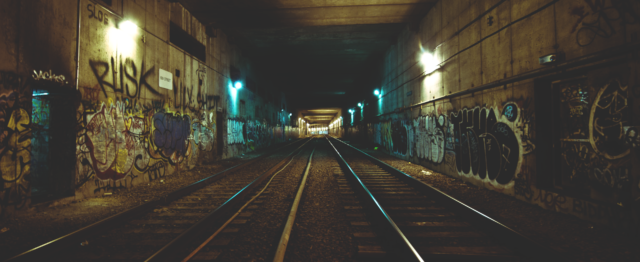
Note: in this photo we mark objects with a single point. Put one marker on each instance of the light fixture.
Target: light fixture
(359, 104)
(376, 92)
(128, 27)
(429, 62)
(290, 114)
(237, 85)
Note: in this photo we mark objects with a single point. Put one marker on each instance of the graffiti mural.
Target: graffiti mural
(596, 137)
(600, 17)
(126, 137)
(235, 132)
(203, 136)
(15, 141)
(258, 134)
(609, 115)
(430, 137)
(170, 135)
(485, 144)
(114, 142)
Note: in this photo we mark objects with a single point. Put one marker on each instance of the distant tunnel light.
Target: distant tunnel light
(128, 27)
(429, 62)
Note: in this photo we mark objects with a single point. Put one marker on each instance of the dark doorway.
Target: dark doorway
(219, 125)
(53, 143)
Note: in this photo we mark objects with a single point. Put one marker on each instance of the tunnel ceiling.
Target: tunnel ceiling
(316, 52)
(319, 115)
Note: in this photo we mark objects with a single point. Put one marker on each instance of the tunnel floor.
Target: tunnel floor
(581, 239)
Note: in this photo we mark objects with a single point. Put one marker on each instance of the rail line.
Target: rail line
(403, 218)
(393, 216)
(208, 251)
(172, 222)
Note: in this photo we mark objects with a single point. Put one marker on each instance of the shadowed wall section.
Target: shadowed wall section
(566, 141)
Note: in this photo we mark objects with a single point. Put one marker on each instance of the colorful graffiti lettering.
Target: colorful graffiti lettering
(170, 135)
(115, 142)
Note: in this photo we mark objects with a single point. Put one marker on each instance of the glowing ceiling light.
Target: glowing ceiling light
(237, 85)
(376, 92)
(359, 104)
(290, 114)
(128, 28)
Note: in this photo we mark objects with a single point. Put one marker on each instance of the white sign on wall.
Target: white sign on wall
(166, 79)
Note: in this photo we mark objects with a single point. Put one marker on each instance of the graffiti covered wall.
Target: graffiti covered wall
(15, 141)
(494, 147)
(149, 109)
(586, 165)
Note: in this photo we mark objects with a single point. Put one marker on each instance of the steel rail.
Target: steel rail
(74, 238)
(174, 251)
(398, 243)
(504, 235)
(284, 239)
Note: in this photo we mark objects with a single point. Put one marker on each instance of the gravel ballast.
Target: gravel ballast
(322, 231)
(47, 221)
(257, 241)
(578, 238)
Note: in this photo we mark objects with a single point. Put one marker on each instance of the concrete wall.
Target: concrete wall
(564, 140)
(37, 50)
(117, 127)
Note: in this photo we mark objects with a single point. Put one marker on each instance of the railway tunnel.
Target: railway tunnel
(356, 130)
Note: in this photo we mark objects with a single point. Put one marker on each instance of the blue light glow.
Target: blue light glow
(237, 85)
(359, 104)
(351, 111)
(376, 92)
(233, 92)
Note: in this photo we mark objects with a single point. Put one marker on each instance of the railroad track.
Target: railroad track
(164, 230)
(399, 218)
(208, 250)
(394, 217)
